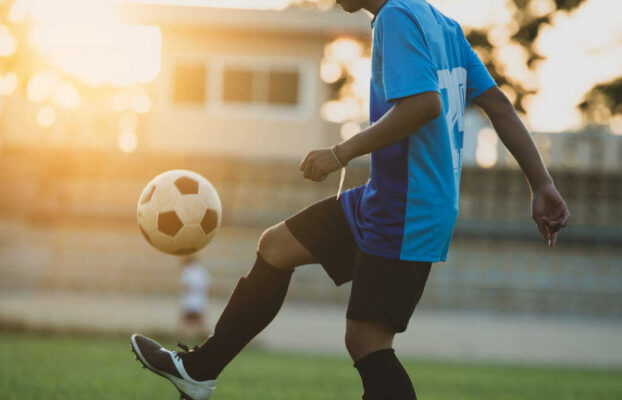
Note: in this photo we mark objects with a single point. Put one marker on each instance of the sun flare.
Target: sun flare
(86, 39)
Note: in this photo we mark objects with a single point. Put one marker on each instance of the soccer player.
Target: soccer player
(195, 282)
(385, 234)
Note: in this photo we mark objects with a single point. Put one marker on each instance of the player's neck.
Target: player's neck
(374, 6)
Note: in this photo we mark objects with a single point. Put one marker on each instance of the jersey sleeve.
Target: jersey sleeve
(407, 65)
(479, 79)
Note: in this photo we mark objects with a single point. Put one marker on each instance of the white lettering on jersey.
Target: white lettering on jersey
(454, 82)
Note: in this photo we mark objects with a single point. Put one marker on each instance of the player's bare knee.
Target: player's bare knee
(274, 247)
(281, 249)
(354, 343)
(269, 244)
(363, 338)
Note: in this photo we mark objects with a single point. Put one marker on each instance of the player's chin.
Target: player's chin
(350, 6)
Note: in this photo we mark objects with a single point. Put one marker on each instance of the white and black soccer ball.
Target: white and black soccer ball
(179, 212)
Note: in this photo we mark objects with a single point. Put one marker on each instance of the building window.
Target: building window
(189, 84)
(260, 86)
(283, 88)
(238, 86)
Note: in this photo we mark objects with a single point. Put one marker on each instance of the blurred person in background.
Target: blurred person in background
(195, 282)
(383, 235)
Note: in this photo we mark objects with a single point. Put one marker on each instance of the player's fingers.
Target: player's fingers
(316, 174)
(303, 163)
(551, 225)
(558, 223)
(308, 170)
(563, 220)
(553, 239)
(541, 227)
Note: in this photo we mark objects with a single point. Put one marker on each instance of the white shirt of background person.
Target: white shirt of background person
(195, 282)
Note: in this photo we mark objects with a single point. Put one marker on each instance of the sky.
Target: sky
(582, 48)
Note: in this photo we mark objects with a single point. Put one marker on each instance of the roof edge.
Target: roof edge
(292, 20)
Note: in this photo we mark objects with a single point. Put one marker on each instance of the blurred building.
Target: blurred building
(242, 82)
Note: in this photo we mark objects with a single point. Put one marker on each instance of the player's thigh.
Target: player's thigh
(281, 249)
(322, 229)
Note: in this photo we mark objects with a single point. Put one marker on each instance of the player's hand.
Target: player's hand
(549, 211)
(318, 164)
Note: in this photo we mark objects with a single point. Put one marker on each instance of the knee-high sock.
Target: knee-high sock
(253, 304)
(384, 377)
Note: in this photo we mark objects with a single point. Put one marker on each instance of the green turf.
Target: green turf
(38, 367)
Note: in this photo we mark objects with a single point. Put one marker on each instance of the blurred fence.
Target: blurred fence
(67, 222)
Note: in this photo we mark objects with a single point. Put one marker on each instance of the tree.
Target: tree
(603, 102)
(529, 17)
(530, 22)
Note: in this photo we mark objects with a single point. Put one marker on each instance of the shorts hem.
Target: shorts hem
(430, 259)
(396, 327)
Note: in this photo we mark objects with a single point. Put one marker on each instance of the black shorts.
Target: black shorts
(383, 289)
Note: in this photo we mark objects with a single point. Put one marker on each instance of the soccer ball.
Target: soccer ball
(179, 212)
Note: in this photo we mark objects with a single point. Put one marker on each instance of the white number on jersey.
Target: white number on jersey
(454, 82)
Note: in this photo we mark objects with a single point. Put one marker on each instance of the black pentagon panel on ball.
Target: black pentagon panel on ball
(169, 223)
(148, 195)
(144, 233)
(187, 185)
(209, 221)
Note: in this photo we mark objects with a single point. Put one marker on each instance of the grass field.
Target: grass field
(39, 367)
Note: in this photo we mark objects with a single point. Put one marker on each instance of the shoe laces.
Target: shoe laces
(185, 348)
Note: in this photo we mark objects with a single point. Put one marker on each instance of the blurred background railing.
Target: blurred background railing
(67, 223)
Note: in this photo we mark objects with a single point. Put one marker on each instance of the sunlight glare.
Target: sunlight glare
(330, 71)
(8, 84)
(343, 50)
(340, 111)
(85, 38)
(67, 96)
(41, 86)
(127, 141)
(349, 129)
(616, 125)
(246, 4)
(477, 14)
(18, 11)
(486, 153)
(582, 50)
(141, 103)
(46, 116)
(8, 44)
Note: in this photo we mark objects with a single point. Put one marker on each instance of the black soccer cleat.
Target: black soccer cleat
(169, 365)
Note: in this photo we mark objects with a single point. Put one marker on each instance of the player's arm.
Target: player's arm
(402, 120)
(407, 116)
(409, 78)
(549, 210)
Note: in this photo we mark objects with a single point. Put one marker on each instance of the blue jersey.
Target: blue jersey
(408, 208)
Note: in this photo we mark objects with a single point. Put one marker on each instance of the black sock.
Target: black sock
(384, 377)
(253, 304)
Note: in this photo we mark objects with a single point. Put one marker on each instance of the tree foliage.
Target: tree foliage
(529, 25)
(528, 20)
(602, 102)
(603, 96)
